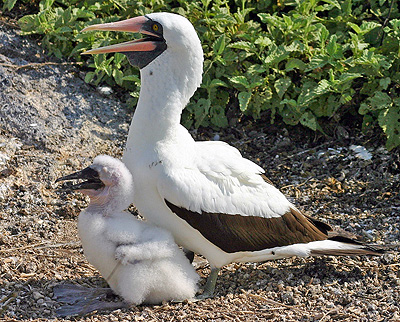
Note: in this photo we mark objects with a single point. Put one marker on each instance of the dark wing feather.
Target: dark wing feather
(236, 233)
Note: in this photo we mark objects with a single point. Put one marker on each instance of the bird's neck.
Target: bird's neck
(110, 201)
(165, 90)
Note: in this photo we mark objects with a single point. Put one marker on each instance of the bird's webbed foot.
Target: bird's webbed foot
(71, 293)
(87, 306)
(83, 300)
(209, 288)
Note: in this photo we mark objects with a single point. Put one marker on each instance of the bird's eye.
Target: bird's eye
(155, 27)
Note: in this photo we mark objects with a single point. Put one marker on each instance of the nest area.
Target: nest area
(52, 123)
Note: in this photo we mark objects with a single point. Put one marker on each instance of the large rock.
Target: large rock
(50, 106)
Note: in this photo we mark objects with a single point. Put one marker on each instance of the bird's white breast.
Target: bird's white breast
(99, 251)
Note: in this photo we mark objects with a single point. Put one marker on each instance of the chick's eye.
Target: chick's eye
(155, 27)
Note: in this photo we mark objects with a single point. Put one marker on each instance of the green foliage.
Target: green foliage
(304, 60)
(8, 4)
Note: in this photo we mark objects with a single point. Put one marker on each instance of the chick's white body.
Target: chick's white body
(140, 262)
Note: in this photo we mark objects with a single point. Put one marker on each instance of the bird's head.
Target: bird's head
(107, 182)
(162, 32)
(169, 54)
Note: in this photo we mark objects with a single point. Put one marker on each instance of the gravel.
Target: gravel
(52, 123)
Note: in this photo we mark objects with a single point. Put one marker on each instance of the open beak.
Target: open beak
(91, 176)
(153, 44)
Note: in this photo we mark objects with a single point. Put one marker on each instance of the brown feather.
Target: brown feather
(236, 233)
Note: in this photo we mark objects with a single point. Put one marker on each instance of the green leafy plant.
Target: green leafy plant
(306, 61)
(9, 4)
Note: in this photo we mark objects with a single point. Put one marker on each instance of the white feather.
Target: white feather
(217, 179)
(140, 262)
(167, 163)
(300, 250)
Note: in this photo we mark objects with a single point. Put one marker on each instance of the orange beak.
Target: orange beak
(137, 25)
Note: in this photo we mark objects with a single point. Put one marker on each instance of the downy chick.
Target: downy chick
(140, 262)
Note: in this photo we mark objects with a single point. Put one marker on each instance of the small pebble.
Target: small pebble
(105, 90)
(37, 295)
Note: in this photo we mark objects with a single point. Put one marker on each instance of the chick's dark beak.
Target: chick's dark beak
(91, 176)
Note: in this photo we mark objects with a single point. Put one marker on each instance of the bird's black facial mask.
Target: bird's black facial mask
(140, 52)
(142, 58)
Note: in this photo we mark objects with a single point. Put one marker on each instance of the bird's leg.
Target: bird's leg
(209, 288)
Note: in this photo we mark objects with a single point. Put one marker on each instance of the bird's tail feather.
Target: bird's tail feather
(343, 246)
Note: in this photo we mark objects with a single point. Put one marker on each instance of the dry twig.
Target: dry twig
(272, 302)
(41, 245)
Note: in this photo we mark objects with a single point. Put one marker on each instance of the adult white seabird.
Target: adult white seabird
(140, 262)
(214, 201)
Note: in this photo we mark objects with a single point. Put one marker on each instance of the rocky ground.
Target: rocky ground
(52, 123)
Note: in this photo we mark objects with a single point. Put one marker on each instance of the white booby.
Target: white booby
(214, 201)
(140, 262)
